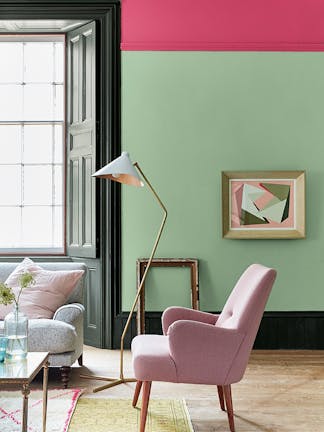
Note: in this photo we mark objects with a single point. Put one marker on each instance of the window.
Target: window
(32, 144)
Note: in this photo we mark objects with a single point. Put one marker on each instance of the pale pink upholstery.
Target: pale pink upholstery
(202, 348)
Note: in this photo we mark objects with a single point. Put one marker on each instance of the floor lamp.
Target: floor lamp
(123, 170)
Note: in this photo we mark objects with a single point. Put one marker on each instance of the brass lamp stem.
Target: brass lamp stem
(116, 381)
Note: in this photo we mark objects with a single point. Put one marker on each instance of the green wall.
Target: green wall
(187, 116)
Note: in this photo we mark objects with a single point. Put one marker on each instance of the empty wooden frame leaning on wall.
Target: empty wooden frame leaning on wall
(165, 262)
(263, 204)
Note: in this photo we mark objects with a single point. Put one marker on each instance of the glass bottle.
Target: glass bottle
(16, 330)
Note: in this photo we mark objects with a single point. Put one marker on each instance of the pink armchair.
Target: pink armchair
(203, 348)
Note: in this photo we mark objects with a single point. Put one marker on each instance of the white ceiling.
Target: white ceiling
(39, 26)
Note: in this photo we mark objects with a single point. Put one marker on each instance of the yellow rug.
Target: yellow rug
(118, 415)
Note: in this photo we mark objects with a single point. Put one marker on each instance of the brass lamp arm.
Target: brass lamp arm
(116, 381)
(139, 290)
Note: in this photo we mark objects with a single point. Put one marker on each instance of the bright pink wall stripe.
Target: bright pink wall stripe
(223, 25)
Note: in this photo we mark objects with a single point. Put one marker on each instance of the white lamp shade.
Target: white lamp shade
(121, 170)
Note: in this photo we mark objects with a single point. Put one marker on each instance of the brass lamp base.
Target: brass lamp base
(112, 381)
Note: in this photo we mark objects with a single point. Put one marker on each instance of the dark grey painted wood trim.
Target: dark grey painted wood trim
(107, 15)
(95, 3)
(44, 8)
(278, 330)
(81, 143)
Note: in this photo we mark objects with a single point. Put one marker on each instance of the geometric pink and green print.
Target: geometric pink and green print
(263, 204)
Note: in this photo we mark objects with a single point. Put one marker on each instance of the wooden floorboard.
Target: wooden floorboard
(282, 391)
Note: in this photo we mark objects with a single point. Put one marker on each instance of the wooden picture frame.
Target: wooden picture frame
(263, 204)
(165, 262)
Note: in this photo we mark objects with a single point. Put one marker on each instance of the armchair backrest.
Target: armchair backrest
(243, 311)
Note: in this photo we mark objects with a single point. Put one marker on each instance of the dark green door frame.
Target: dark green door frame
(107, 16)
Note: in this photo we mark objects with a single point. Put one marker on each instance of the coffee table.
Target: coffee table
(21, 374)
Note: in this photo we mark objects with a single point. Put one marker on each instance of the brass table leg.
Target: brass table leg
(25, 391)
(45, 388)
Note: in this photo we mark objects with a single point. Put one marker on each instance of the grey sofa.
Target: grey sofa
(61, 336)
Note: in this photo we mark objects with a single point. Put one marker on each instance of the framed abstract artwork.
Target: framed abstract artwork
(263, 204)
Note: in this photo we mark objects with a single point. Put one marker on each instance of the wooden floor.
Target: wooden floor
(281, 391)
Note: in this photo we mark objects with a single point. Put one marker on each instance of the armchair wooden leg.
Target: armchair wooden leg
(145, 402)
(221, 397)
(65, 375)
(229, 406)
(137, 392)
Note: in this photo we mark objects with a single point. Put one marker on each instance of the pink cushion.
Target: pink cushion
(50, 291)
(152, 359)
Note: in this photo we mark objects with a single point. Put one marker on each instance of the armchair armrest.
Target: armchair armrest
(69, 313)
(209, 350)
(175, 313)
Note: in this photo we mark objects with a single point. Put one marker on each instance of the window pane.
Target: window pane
(10, 180)
(58, 102)
(38, 144)
(10, 142)
(10, 218)
(11, 69)
(38, 102)
(37, 185)
(58, 185)
(32, 162)
(58, 226)
(37, 226)
(59, 62)
(11, 102)
(58, 144)
(35, 70)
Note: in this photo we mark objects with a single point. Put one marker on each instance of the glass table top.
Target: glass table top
(23, 370)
